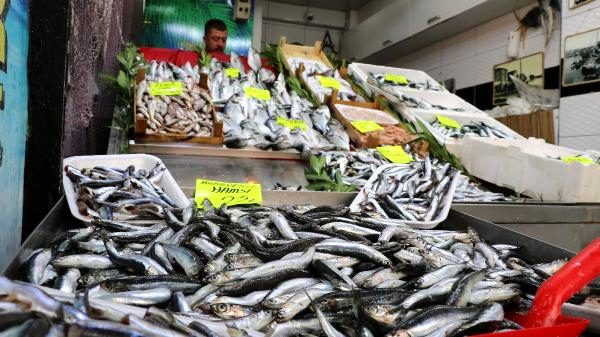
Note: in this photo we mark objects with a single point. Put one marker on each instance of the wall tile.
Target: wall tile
(581, 143)
(579, 115)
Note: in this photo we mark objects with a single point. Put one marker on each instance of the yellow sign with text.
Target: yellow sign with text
(447, 121)
(257, 93)
(220, 192)
(395, 154)
(577, 159)
(330, 82)
(292, 123)
(399, 79)
(171, 88)
(366, 126)
(232, 72)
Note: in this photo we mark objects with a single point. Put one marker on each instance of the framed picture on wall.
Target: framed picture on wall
(529, 69)
(577, 3)
(582, 57)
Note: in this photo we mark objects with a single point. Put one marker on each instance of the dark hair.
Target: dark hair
(214, 24)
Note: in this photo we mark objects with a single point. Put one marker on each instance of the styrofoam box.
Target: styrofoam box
(361, 70)
(167, 182)
(447, 100)
(531, 167)
(446, 201)
(374, 115)
(454, 144)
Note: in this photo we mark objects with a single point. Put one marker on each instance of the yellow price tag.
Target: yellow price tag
(292, 123)
(366, 126)
(330, 82)
(447, 121)
(399, 79)
(173, 88)
(232, 72)
(253, 92)
(220, 192)
(395, 154)
(577, 159)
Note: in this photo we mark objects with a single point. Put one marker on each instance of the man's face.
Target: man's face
(215, 40)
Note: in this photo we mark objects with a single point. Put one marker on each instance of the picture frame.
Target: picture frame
(529, 69)
(581, 57)
(578, 3)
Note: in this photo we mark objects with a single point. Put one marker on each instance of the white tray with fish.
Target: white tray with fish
(141, 161)
(434, 101)
(444, 202)
(417, 80)
(469, 122)
(533, 168)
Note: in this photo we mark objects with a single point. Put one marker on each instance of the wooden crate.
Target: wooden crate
(314, 53)
(358, 139)
(537, 124)
(140, 126)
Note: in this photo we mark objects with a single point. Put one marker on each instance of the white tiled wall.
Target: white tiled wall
(305, 34)
(580, 115)
(469, 57)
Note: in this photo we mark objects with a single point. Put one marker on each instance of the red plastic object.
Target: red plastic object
(544, 318)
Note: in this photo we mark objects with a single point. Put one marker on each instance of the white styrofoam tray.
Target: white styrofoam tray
(446, 201)
(447, 100)
(360, 71)
(427, 117)
(121, 161)
(530, 167)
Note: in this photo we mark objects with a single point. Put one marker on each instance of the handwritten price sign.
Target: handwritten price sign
(220, 192)
(173, 88)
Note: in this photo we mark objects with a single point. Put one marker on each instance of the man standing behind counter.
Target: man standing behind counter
(215, 36)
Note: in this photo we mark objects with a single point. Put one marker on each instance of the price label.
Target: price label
(366, 126)
(330, 82)
(173, 88)
(292, 123)
(577, 159)
(395, 154)
(399, 79)
(257, 93)
(447, 121)
(220, 192)
(232, 72)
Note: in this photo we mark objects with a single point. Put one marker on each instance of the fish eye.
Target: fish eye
(221, 307)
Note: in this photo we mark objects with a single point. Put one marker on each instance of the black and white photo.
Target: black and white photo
(529, 69)
(582, 57)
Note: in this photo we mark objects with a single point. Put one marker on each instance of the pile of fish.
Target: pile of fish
(480, 129)
(357, 167)
(413, 192)
(389, 86)
(129, 195)
(187, 114)
(254, 122)
(312, 70)
(287, 271)
(223, 85)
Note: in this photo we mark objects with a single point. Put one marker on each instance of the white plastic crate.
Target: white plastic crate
(531, 167)
(167, 182)
(361, 71)
(446, 201)
(454, 144)
(447, 100)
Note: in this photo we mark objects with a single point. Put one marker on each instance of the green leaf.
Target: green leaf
(123, 80)
(320, 186)
(338, 178)
(108, 78)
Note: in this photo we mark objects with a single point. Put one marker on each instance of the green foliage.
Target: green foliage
(203, 56)
(130, 62)
(336, 61)
(272, 53)
(319, 179)
(439, 151)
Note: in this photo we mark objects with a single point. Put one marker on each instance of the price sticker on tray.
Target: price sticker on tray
(395, 154)
(399, 79)
(329, 82)
(292, 123)
(447, 121)
(366, 126)
(171, 88)
(232, 72)
(220, 192)
(578, 159)
(257, 93)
